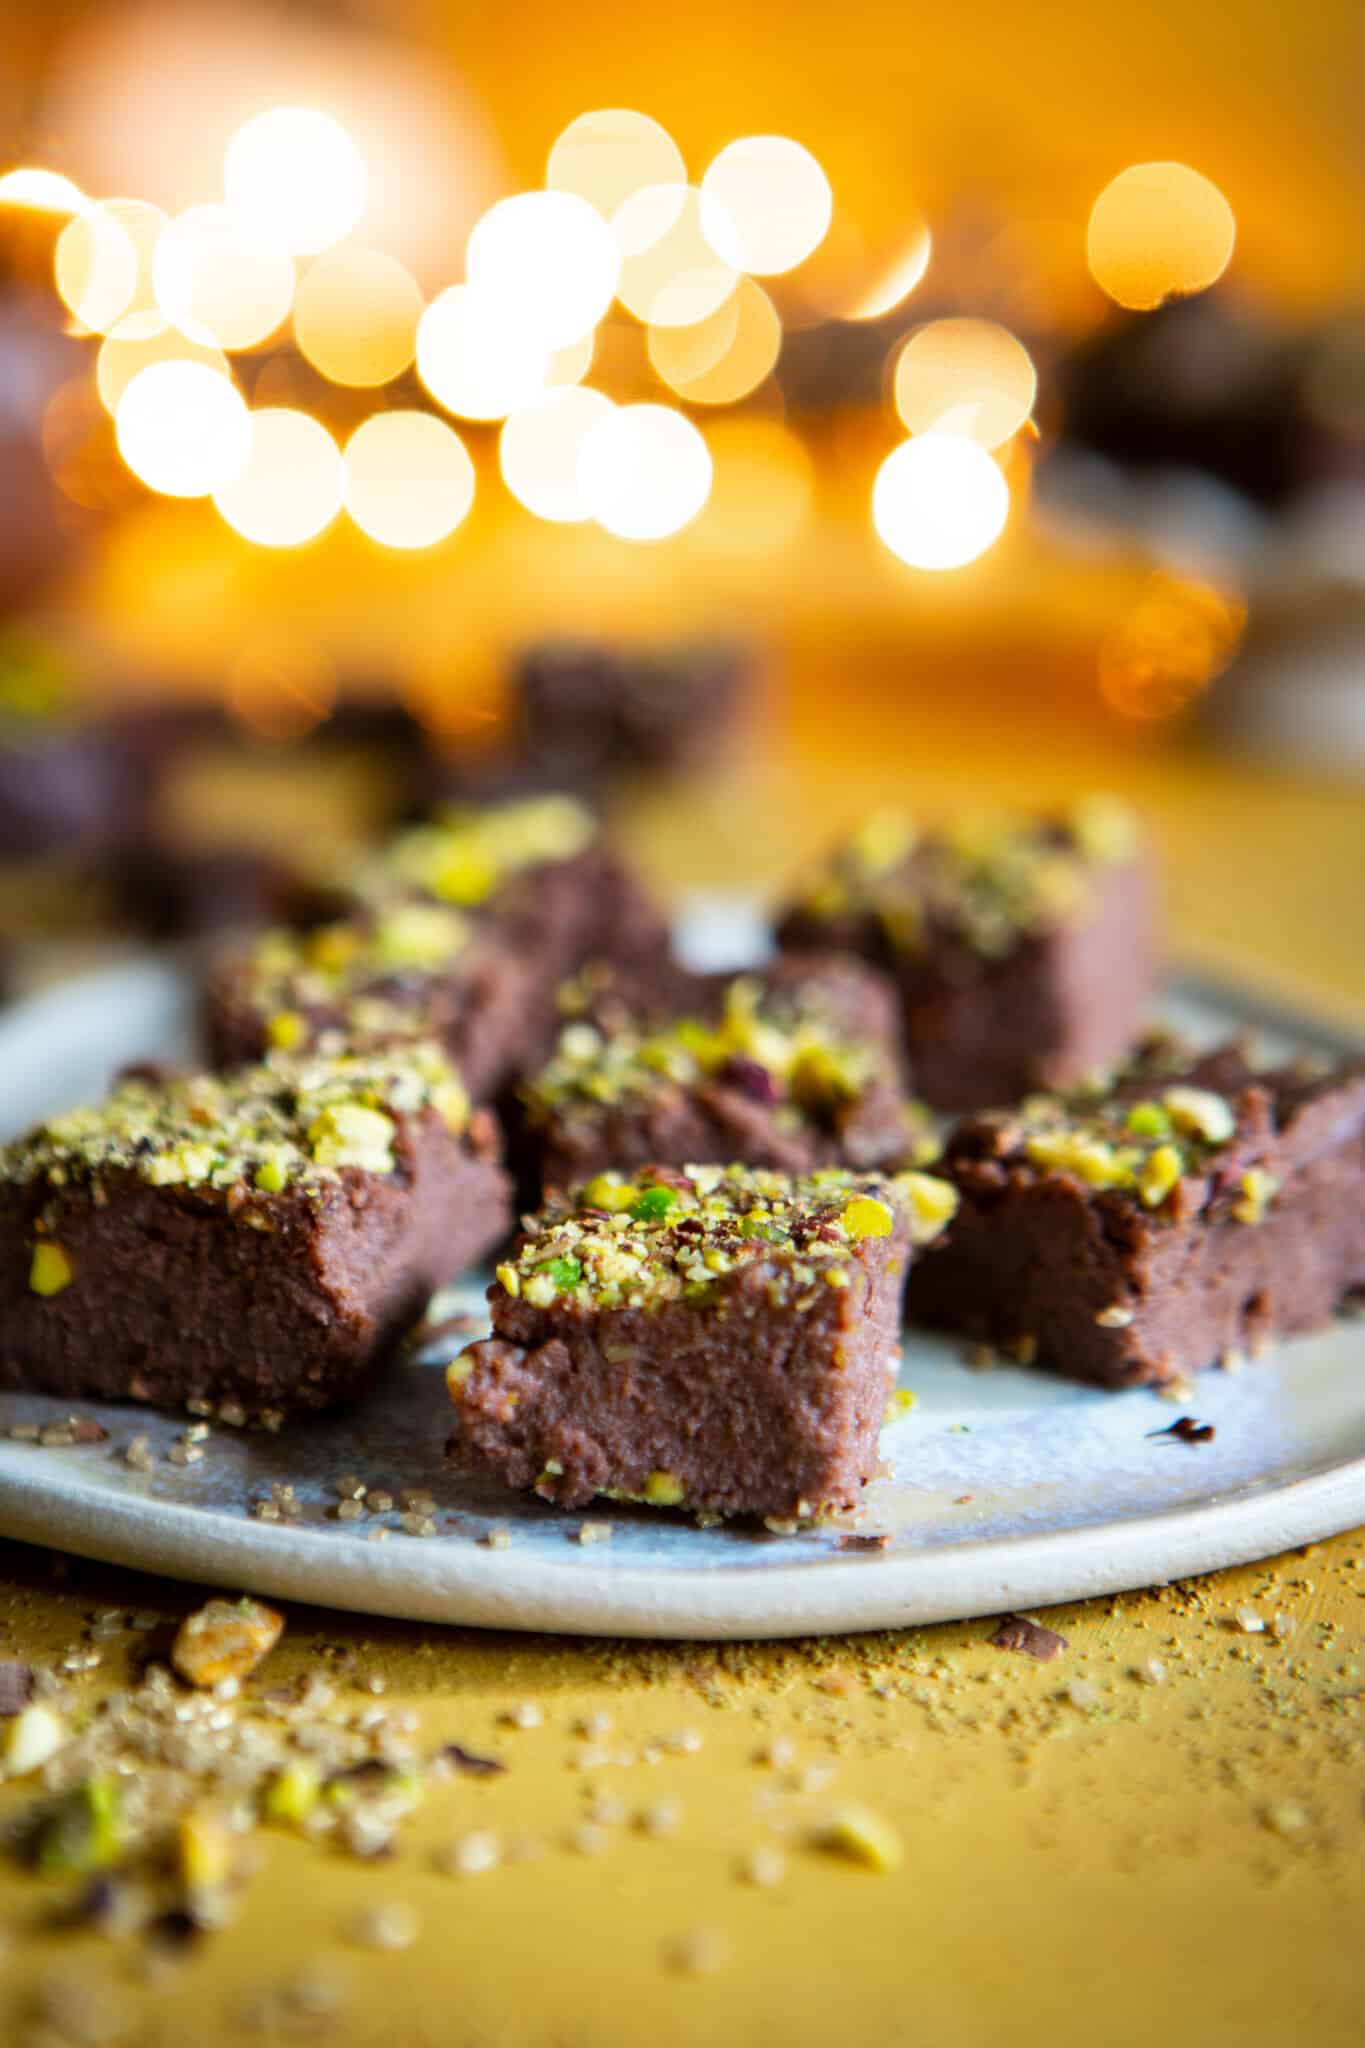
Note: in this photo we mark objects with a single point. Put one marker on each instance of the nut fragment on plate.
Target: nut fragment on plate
(225, 1639)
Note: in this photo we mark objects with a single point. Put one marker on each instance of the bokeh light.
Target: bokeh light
(138, 341)
(763, 490)
(220, 282)
(547, 263)
(1165, 649)
(670, 274)
(291, 487)
(965, 377)
(102, 263)
(355, 317)
(472, 362)
(43, 191)
(898, 280)
(408, 479)
(296, 179)
(541, 447)
(183, 429)
(939, 501)
(645, 472)
(1158, 230)
(766, 204)
(571, 365)
(724, 358)
(607, 155)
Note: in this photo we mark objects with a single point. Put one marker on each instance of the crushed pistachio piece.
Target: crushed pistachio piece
(349, 1134)
(663, 1490)
(30, 1738)
(292, 1793)
(932, 1204)
(51, 1270)
(1149, 1120)
(865, 1216)
(863, 1837)
(85, 1832)
(1159, 1175)
(1199, 1113)
(225, 1639)
(1258, 1191)
(286, 1030)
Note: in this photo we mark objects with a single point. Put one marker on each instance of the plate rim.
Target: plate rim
(457, 1582)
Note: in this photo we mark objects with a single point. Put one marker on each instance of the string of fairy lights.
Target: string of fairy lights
(180, 305)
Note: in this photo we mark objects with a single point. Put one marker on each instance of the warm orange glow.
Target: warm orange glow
(966, 377)
(42, 191)
(409, 481)
(295, 179)
(541, 447)
(763, 491)
(547, 263)
(291, 487)
(766, 204)
(138, 341)
(280, 690)
(607, 155)
(898, 281)
(472, 361)
(1167, 648)
(218, 281)
(939, 501)
(1158, 230)
(670, 274)
(355, 317)
(644, 472)
(571, 365)
(183, 429)
(102, 263)
(723, 359)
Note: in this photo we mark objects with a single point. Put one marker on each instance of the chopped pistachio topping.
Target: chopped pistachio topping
(1109, 1140)
(987, 879)
(51, 1269)
(465, 855)
(783, 1050)
(1258, 1191)
(294, 1120)
(1199, 1113)
(663, 1490)
(352, 968)
(801, 1233)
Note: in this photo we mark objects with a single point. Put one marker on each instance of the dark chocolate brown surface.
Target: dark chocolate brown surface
(1023, 954)
(1198, 1249)
(733, 1353)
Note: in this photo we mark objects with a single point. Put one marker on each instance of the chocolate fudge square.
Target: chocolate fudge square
(459, 929)
(418, 970)
(795, 1069)
(540, 874)
(1183, 1216)
(260, 1239)
(720, 1339)
(592, 711)
(1023, 951)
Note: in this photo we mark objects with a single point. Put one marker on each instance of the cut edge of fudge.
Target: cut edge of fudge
(261, 1238)
(1179, 1217)
(1023, 948)
(724, 1340)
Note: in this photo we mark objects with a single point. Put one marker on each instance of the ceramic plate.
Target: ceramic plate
(1003, 1489)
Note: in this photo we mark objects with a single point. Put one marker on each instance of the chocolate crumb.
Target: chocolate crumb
(1187, 1429)
(85, 1430)
(1030, 1638)
(473, 1766)
(855, 1542)
(16, 1685)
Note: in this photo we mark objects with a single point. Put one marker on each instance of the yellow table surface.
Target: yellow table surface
(1178, 1861)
